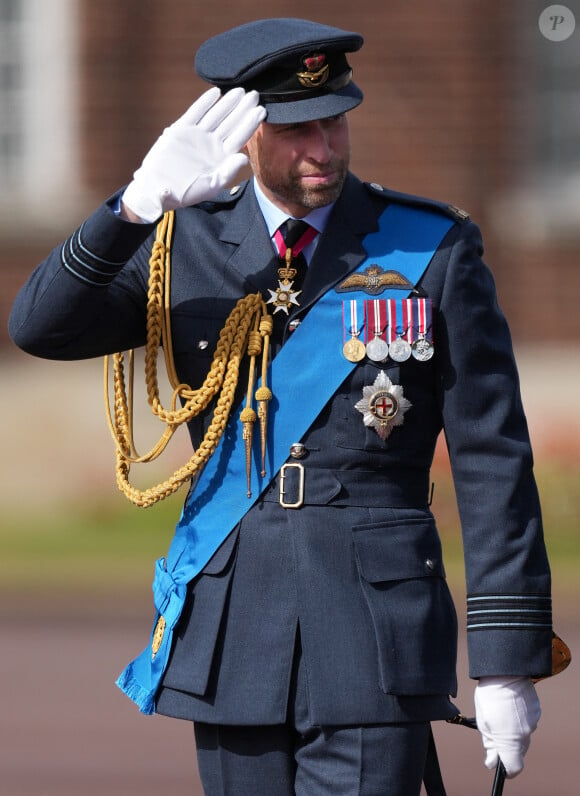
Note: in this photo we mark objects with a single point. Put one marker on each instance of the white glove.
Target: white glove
(197, 155)
(507, 710)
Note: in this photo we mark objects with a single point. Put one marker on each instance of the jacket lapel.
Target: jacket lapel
(254, 258)
(340, 248)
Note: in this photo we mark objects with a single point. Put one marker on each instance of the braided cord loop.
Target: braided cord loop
(237, 336)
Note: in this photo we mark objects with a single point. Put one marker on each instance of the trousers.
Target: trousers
(299, 759)
(373, 760)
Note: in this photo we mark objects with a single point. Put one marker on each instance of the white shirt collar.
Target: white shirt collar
(274, 216)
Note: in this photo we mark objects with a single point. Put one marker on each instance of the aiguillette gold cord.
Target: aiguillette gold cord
(247, 328)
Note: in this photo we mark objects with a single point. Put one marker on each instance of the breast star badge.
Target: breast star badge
(383, 405)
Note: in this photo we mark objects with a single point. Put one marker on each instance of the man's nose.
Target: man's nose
(319, 148)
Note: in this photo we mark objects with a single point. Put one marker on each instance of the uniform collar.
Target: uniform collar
(274, 216)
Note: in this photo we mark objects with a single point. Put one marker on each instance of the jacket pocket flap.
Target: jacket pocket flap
(397, 550)
(222, 555)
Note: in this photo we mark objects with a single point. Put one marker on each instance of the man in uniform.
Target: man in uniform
(312, 639)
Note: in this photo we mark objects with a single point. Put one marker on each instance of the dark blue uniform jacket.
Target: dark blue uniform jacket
(358, 570)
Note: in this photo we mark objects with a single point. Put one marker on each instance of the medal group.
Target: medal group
(383, 329)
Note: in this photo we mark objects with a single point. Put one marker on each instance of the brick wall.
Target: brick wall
(445, 88)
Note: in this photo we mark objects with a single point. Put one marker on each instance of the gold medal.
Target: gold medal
(354, 350)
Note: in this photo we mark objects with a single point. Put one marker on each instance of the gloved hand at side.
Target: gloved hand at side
(197, 155)
(507, 710)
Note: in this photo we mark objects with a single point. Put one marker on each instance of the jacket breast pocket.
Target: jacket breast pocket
(194, 344)
(349, 429)
(403, 580)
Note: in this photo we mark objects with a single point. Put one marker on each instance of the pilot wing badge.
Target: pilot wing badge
(373, 280)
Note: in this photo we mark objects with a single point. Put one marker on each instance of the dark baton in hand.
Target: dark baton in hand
(500, 773)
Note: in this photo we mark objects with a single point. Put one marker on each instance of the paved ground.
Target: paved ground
(67, 731)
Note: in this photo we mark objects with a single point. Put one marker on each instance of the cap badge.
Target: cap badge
(317, 73)
(373, 280)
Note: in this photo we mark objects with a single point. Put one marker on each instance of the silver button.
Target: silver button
(202, 344)
(298, 450)
(430, 564)
(234, 190)
(293, 325)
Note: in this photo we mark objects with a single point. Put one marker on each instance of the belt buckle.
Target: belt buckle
(300, 501)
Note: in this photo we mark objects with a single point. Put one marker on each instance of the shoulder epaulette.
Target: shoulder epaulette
(227, 196)
(418, 201)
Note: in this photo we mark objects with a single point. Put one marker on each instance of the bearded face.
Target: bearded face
(301, 166)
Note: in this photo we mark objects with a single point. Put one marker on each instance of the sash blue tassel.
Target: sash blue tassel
(406, 241)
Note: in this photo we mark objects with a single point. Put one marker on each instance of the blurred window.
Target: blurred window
(543, 202)
(558, 105)
(549, 199)
(38, 106)
(11, 132)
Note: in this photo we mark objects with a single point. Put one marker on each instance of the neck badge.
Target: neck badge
(284, 297)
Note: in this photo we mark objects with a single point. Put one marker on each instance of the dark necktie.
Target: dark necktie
(291, 238)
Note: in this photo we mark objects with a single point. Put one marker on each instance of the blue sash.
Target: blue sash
(406, 241)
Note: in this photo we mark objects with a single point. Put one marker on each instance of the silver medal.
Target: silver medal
(400, 350)
(377, 349)
(422, 349)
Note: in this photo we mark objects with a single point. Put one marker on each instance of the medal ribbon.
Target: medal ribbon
(426, 319)
(407, 319)
(406, 240)
(392, 320)
(354, 309)
(306, 238)
(376, 317)
(382, 319)
(419, 329)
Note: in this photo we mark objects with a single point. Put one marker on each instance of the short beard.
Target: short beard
(310, 197)
(291, 191)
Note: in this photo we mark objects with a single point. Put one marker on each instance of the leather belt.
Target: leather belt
(298, 485)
